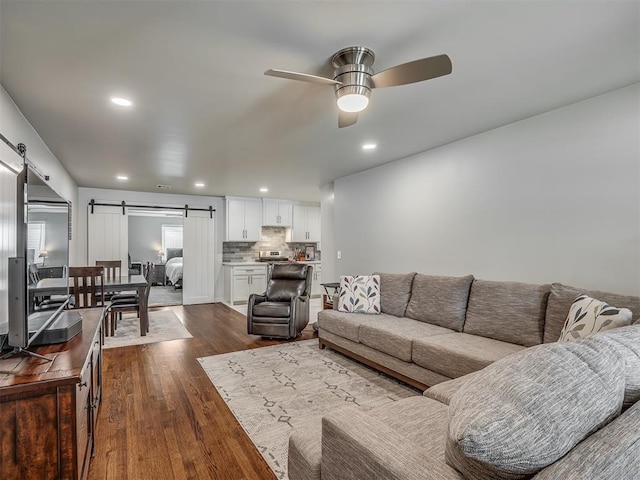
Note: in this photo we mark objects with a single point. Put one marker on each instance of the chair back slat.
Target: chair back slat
(88, 286)
(112, 268)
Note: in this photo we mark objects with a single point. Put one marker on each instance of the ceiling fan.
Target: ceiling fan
(354, 78)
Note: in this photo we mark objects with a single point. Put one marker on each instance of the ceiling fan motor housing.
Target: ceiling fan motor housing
(353, 71)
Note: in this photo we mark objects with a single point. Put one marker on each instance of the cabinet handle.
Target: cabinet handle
(83, 384)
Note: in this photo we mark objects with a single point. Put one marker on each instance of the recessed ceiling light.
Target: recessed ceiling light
(369, 146)
(264, 189)
(122, 177)
(199, 184)
(123, 102)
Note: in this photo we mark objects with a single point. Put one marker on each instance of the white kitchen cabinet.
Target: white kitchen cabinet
(276, 213)
(306, 223)
(244, 219)
(243, 280)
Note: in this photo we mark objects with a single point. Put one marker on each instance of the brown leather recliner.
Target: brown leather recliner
(283, 310)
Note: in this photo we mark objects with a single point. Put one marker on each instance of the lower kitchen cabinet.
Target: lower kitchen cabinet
(243, 280)
(316, 288)
(48, 415)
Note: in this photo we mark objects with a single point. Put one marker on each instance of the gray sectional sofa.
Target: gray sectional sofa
(520, 406)
(434, 328)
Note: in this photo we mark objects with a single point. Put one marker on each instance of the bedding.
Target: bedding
(173, 270)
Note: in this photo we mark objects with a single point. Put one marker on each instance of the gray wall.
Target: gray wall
(555, 197)
(145, 237)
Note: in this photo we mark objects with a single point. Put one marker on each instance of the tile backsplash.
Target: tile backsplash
(272, 238)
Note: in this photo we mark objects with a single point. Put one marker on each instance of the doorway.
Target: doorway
(156, 237)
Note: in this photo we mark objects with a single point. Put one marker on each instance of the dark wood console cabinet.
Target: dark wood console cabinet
(48, 410)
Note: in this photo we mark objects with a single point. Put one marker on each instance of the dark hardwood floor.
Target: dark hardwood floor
(161, 418)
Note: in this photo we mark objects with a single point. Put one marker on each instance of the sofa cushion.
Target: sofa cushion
(440, 300)
(442, 392)
(395, 292)
(345, 325)
(543, 401)
(588, 316)
(359, 294)
(610, 453)
(399, 441)
(458, 354)
(562, 296)
(509, 311)
(396, 337)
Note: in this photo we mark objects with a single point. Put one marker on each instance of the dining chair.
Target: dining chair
(123, 303)
(88, 286)
(44, 302)
(112, 268)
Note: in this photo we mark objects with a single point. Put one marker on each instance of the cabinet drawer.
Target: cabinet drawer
(250, 270)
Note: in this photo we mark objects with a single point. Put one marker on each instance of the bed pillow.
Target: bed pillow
(359, 294)
(588, 315)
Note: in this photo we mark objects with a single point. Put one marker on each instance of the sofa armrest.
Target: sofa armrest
(356, 446)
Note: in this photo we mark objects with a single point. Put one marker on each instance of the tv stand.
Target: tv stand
(24, 351)
(49, 410)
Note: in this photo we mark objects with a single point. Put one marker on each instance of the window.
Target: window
(171, 237)
(35, 242)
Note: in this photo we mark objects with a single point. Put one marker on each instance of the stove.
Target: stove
(272, 256)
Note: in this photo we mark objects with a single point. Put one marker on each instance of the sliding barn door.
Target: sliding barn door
(108, 236)
(198, 255)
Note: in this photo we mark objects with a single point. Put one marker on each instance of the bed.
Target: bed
(173, 267)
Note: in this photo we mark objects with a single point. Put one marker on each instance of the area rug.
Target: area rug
(271, 390)
(163, 326)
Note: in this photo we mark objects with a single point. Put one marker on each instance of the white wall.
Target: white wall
(327, 235)
(143, 198)
(15, 127)
(555, 197)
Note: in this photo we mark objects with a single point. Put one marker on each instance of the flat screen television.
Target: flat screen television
(42, 247)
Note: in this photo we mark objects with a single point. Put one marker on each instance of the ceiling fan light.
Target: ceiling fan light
(353, 102)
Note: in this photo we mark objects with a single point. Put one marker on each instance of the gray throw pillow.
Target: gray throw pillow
(395, 291)
(627, 341)
(526, 411)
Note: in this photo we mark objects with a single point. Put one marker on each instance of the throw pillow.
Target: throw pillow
(359, 294)
(588, 315)
(527, 410)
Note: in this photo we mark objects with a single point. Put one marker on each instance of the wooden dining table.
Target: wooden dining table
(59, 286)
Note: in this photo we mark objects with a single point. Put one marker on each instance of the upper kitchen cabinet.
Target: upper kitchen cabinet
(276, 213)
(306, 223)
(244, 219)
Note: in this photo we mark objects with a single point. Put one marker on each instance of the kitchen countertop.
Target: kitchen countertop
(234, 264)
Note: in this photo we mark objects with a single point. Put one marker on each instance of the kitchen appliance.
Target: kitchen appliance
(272, 256)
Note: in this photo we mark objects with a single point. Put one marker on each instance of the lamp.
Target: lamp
(160, 255)
(43, 255)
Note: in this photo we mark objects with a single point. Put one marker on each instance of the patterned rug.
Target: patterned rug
(271, 390)
(163, 326)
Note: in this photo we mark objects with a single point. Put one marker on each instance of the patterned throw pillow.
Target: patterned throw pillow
(588, 315)
(359, 294)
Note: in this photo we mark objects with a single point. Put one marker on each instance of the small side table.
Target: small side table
(159, 274)
(330, 289)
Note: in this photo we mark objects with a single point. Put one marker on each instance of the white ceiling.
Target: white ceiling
(204, 111)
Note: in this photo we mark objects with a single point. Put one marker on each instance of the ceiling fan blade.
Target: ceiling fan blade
(304, 77)
(346, 119)
(411, 72)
